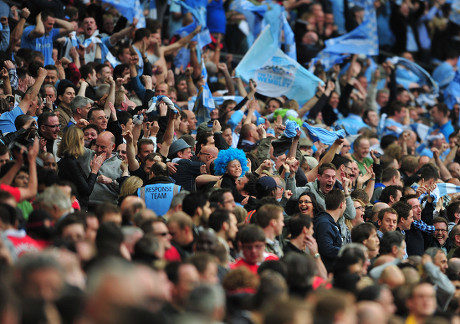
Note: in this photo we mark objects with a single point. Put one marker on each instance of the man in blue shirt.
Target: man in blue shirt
(397, 113)
(41, 36)
(442, 124)
(354, 121)
(29, 101)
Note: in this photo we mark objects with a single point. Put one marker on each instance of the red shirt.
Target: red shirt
(172, 254)
(12, 190)
(240, 262)
(22, 242)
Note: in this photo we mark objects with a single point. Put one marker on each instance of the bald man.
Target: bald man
(107, 186)
(208, 153)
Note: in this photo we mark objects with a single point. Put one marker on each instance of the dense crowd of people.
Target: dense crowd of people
(125, 198)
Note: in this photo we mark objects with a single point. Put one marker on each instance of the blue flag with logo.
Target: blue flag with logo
(130, 9)
(275, 73)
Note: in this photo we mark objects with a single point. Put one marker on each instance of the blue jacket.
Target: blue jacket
(328, 237)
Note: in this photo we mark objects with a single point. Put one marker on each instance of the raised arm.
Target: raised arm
(228, 79)
(116, 37)
(130, 152)
(169, 133)
(181, 42)
(327, 158)
(29, 96)
(31, 190)
(67, 26)
(39, 29)
(111, 98)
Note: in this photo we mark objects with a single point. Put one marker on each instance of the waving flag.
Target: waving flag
(254, 15)
(276, 73)
(204, 102)
(276, 18)
(424, 78)
(130, 9)
(323, 135)
(361, 40)
(198, 11)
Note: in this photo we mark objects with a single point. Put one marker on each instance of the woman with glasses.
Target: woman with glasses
(69, 150)
(307, 205)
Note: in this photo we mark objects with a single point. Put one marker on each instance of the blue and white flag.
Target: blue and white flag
(441, 190)
(424, 78)
(130, 9)
(275, 73)
(323, 135)
(204, 102)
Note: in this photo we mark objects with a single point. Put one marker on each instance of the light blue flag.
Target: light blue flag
(254, 15)
(276, 18)
(289, 39)
(275, 73)
(323, 135)
(204, 102)
(361, 40)
(424, 78)
(199, 18)
(208, 102)
(130, 9)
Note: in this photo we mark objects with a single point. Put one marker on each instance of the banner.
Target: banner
(275, 73)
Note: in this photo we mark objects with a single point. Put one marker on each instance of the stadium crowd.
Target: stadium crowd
(126, 198)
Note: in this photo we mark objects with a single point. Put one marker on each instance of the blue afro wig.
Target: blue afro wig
(226, 156)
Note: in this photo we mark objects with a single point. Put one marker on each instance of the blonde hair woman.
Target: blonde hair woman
(69, 150)
(130, 186)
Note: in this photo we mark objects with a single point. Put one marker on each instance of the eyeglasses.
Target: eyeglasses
(53, 126)
(361, 208)
(440, 230)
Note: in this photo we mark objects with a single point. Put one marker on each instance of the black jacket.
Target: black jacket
(328, 237)
(70, 170)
